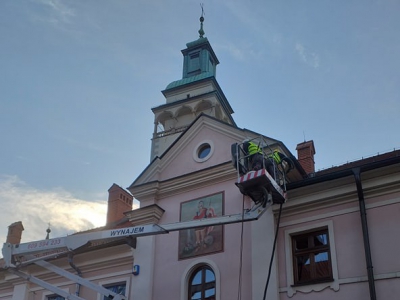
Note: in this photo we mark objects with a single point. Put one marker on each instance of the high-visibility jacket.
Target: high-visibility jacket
(276, 156)
(253, 149)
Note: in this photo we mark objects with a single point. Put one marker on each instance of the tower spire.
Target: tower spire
(48, 230)
(201, 31)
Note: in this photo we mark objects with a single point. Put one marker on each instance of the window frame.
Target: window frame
(189, 271)
(203, 284)
(116, 280)
(118, 283)
(199, 147)
(311, 251)
(291, 287)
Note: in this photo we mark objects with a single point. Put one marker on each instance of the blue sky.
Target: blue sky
(78, 80)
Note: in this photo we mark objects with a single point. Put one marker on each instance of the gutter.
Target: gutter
(343, 173)
(364, 224)
(78, 271)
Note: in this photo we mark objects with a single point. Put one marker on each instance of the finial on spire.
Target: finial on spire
(48, 230)
(201, 31)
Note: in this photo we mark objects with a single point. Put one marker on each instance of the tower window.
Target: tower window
(194, 63)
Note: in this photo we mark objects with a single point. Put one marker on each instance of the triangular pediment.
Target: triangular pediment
(182, 157)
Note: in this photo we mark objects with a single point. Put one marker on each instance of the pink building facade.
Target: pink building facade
(338, 231)
(356, 208)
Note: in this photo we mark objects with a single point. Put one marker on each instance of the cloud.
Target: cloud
(37, 208)
(311, 59)
(56, 12)
(234, 51)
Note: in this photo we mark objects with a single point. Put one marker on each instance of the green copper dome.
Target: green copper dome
(188, 80)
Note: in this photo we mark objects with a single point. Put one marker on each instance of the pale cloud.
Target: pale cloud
(235, 52)
(37, 208)
(310, 58)
(57, 12)
(301, 52)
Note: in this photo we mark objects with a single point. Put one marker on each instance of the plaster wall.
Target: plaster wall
(384, 233)
(356, 291)
(384, 229)
(169, 271)
(182, 161)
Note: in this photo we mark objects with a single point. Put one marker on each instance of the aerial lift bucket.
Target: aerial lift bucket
(259, 185)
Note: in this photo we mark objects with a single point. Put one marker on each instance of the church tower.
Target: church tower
(197, 92)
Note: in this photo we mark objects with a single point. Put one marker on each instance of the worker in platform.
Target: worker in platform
(283, 163)
(257, 159)
(255, 155)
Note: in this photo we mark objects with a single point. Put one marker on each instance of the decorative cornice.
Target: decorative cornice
(182, 184)
(146, 215)
(340, 191)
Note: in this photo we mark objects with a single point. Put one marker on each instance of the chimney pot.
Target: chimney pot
(119, 202)
(305, 156)
(15, 233)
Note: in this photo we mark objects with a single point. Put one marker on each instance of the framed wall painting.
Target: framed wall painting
(202, 240)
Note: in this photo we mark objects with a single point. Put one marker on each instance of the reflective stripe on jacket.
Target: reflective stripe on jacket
(253, 149)
(277, 157)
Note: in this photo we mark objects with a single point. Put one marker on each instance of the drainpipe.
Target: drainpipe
(71, 263)
(367, 248)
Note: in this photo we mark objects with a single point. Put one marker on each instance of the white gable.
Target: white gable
(182, 157)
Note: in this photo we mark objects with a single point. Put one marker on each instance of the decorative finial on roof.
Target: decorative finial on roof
(201, 31)
(48, 230)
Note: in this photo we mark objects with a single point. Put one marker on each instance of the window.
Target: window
(202, 284)
(118, 288)
(311, 257)
(203, 151)
(296, 245)
(194, 63)
(55, 297)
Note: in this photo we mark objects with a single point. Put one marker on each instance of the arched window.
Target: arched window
(202, 284)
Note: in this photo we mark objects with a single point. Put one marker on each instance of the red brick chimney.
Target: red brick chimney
(119, 201)
(15, 233)
(305, 156)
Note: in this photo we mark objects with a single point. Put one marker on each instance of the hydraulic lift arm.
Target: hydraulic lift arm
(19, 255)
(37, 252)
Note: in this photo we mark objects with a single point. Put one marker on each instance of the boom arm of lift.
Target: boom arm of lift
(259, 185)
(37, 252)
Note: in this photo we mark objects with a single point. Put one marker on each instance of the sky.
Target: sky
(78, 80)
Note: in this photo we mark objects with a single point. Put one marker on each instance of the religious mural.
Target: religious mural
(202, 240)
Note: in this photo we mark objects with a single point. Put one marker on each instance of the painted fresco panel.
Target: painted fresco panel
(203, 240)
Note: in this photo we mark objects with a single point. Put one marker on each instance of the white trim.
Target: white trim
(340, 212)
(197, 148)
(334, 285)
(188, 272)
(350, 280)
